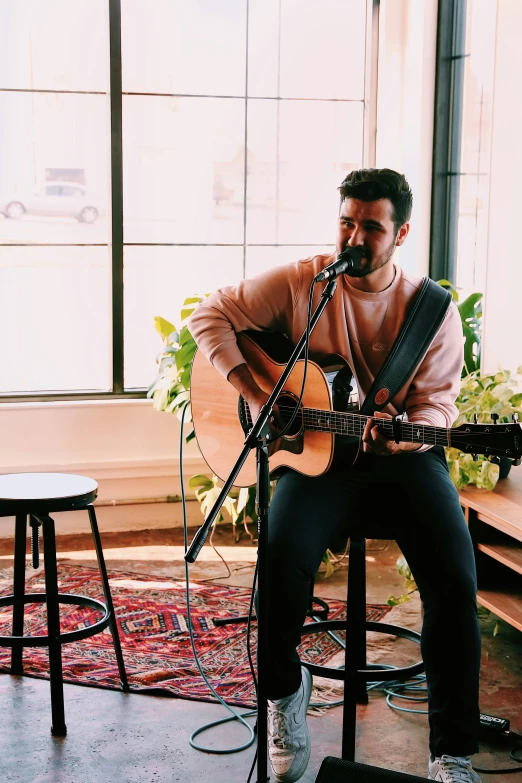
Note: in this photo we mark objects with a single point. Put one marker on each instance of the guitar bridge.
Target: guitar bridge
(244, 416)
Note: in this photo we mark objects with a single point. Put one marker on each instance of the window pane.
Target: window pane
(259, 259)
(175, 46)
(55, 318)
(174, 153)
(310, 49)
(299, 153)
(477, 117)
(157, 281)
(54, 139)
(54, 45)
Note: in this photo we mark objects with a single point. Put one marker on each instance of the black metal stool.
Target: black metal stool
(357, 673)
(37, 495)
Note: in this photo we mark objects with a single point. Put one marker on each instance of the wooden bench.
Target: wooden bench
(495, 523)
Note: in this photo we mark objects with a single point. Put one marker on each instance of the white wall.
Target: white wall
(407, 51)
(502, 343)
(127, 446)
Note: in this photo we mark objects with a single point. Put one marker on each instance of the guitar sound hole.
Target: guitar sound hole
(287, 403)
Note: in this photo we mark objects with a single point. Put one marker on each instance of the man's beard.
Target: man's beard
(372, 264)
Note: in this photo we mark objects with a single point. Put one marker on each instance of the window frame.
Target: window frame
(116, 242)
(447, 138)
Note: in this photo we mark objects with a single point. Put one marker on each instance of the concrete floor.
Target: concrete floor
(133, 738)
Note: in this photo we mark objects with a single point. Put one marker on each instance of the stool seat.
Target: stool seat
(37, 495)
(44, 492)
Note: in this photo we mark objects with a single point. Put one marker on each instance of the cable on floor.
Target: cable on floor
(234, 714)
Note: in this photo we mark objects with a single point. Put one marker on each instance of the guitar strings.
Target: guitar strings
(354, 424)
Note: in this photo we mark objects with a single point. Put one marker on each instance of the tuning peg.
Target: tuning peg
(495, 417)
(475, 456)
(516, 462)
(515, 417)
(475, 418)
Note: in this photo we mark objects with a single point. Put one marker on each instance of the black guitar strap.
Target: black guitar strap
(415, 337)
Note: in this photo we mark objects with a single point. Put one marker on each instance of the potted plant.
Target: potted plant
(170, 392)
(482, 395)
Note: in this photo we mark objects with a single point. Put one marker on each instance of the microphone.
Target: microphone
(349, 259)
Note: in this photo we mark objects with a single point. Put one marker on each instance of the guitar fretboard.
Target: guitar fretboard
(354, 424)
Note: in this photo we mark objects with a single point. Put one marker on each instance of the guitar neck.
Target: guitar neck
(354, 424)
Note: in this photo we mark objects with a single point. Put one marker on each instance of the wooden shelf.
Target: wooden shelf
(508, 554)
(506, 604)
(495, 524)
(501, 508)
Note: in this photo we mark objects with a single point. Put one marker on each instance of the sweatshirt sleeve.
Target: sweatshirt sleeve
(436, 383)
(260, 303)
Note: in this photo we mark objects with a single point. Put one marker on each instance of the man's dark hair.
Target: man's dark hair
(373, 184)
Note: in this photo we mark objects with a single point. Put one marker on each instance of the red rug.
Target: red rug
(152, 621)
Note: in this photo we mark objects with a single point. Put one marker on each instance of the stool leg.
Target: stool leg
(108, 599)
(357, 603)
(355, 656)
(19, 590)
(53, 628)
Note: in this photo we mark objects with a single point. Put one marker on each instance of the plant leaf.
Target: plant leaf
(185, 355)
(402, 599)
(329, 565)
(200, 481)
(163, 327)
(468, 308)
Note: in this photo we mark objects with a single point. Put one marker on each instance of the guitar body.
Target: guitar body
(219, 417)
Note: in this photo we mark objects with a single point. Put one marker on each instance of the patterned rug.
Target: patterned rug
(152, 621)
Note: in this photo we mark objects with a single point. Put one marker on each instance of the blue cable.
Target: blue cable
(235, 715)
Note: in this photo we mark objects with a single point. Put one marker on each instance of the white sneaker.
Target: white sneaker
(288, 738)
(452, 769)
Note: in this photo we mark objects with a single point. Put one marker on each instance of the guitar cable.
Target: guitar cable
(234, 714)
(305, 370)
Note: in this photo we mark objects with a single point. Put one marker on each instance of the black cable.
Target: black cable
(506, 770)
(249, 627)
(235, 715)
(305, 371)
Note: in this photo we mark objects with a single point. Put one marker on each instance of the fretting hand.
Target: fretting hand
(374, 442)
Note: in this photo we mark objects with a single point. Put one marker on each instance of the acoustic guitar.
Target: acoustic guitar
(325, 423)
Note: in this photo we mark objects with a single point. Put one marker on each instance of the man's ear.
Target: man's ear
(402, 234)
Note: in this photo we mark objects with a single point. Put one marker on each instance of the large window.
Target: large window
(464, 110)
(477, 116)
(149, 151)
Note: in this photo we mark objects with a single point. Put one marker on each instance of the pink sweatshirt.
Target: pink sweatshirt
(357, 325)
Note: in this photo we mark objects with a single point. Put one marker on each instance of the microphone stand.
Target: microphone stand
(259, 437)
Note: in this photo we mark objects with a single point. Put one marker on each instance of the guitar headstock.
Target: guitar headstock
(491, 439)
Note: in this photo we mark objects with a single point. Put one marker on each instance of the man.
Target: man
(405, 484)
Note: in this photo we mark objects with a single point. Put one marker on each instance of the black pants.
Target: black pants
(414, 494)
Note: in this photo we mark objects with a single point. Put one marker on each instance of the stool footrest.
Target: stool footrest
(64, 638)
(372, 672)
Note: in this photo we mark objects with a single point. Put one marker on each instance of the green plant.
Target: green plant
(170, 392)
(499, 392)
(470, 314)
(170, 389)
(409, 583)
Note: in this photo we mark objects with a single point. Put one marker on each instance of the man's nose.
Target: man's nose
(357, 238)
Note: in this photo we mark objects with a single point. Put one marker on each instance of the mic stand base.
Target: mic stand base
(263, 502)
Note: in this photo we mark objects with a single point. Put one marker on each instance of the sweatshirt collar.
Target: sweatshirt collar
(369, 296)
